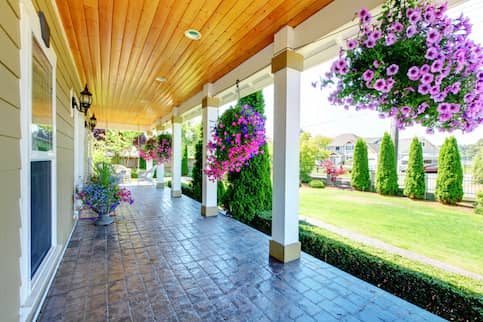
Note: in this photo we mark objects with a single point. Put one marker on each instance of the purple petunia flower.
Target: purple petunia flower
(369, 43)
(405, 110)
(425, 69)
(391, 39)
(352, 44)
(392, 69)
(444, 117)
(379, 84)
(423, 89)
(443, 108)
(429, 15)
(413, 73)
(368, 75)
(431, 53)
(377, 34)
(454, 108)
(437, 66)
(433, 36)
(427, 78)
(376, 64)
(415, 16)
(397, 26)
(411, 31)
(363, 12)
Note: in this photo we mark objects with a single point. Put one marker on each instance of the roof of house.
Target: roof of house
(343, 139)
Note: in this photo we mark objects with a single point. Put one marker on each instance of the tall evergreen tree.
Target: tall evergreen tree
(250, 190)
(449, 182)
(414, 184)
(360, 178)
(184, 162)
(197, 171)
(386, 177)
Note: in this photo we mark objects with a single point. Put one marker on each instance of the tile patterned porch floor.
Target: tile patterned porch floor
(162, 261)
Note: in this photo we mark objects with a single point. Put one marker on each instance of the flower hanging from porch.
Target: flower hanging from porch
(237, 137)
(157, 148)
(414, 64)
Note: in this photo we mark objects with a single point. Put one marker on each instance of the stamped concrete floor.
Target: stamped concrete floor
(162, 261)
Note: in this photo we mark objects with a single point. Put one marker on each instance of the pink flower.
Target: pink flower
(392, 69)
(368, 75)
(413, 73)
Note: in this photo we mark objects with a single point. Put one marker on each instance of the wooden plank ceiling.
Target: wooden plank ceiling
(121, 46)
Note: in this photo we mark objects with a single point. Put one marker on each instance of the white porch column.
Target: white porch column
(160, 176)
(176, 155)
(209, 104)
(286, 67)
(149, 164)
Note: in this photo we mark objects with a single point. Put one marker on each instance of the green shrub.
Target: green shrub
(449, 182)
(308, 156)
(197, 171)
(360, 178)
(479, 203)
(414, 183)
(184, 162)
(477, 168)
(317, 184)
(142, 164)
(134, 173)
(250, 190)
(386, 177)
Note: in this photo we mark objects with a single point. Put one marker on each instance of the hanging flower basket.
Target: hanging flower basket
(414, 64)
(157, 148)
(237, 137)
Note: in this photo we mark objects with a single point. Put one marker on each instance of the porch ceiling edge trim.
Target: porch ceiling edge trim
(122, 126)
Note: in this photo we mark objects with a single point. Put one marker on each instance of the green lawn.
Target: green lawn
(450, 234)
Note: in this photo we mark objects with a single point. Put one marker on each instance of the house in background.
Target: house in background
(342, 150)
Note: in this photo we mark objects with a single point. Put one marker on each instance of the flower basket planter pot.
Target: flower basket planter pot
(104, 220)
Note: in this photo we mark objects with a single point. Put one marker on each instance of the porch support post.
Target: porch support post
(286, 67)
(209, 104)
(160, 176)
(176, 155)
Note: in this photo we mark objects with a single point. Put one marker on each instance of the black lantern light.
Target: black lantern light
(91, 123)
(85, 101)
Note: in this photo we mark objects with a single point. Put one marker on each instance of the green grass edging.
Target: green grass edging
(454, 298)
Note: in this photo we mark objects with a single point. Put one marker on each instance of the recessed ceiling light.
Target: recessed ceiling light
(192, 34)
(161, 79)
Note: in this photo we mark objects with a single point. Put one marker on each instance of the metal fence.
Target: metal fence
(470, 185)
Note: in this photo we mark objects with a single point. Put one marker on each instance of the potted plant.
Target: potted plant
(414, 64)
(102, 194)
(157, 148)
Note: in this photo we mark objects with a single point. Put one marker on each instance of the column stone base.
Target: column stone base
(209, 211)
(176, 193)
(285, 253)
(160, 185)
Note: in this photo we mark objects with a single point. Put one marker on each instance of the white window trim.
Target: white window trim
(32, 290)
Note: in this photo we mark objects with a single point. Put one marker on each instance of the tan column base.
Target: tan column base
(160, 185)
(286, 253)
(176, 194)
(209, 211)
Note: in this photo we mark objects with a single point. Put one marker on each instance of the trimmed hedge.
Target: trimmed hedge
(317, 184)
(479, 203)
(437, 296)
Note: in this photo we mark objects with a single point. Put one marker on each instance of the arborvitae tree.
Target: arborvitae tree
(414, 184)
(386, 177)
(184, 162)
(197, 171)
(250, 190)
(449, 182)
(360, 178)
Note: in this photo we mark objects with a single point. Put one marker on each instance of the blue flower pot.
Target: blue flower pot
(104, 220)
